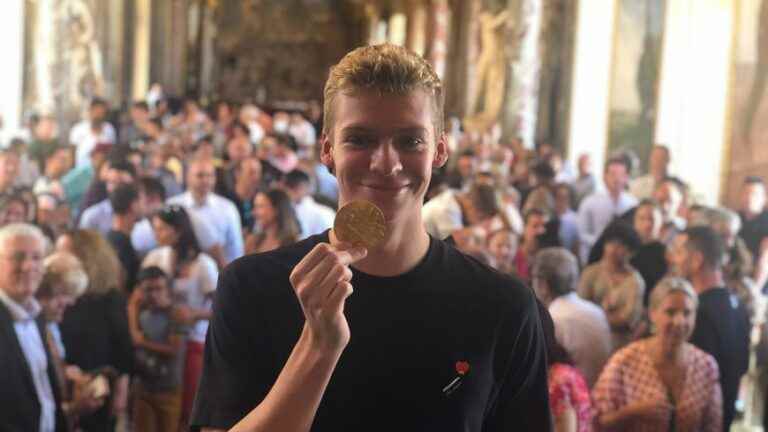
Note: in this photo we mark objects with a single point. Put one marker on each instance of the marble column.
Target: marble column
(438, 24)
(12, 73)
(141, 48)
(462, 55)
(522, 53)
(416, 37)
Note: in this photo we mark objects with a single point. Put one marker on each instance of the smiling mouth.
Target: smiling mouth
(386, 187)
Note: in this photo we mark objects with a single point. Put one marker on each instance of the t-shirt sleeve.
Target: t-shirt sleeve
(209, 272)
(523, 400)
(236, 368)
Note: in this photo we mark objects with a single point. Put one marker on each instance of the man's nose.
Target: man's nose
(385, 159)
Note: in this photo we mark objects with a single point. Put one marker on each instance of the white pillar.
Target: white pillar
(693, 91)
(141, 46)
(12, 72)
(591, 78)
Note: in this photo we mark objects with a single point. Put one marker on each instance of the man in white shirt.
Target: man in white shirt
(314, 218)
(95, 130)
(580, 326)
(29, 397)
(600, 208)
(216, 210)
(658, 169)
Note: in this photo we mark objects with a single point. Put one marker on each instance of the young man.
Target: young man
(430, 341)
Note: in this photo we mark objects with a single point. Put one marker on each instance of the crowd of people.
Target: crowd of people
(113, 236)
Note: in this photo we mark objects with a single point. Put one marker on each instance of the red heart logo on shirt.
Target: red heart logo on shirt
(462, 367)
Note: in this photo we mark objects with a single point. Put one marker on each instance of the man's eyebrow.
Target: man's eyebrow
(366, 129)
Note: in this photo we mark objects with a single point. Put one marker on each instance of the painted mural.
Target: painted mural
(636, 64)
(749, 98)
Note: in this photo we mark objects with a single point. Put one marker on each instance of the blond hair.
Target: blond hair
(385, 69)
(99, 261)
(64, 274)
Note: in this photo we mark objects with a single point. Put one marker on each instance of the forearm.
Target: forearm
(159, 348)
(291, 404)
(616, 420)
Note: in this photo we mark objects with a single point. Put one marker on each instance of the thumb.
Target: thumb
(357, 253)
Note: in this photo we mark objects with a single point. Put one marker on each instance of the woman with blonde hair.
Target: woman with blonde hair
(95, 329)
(662, 383)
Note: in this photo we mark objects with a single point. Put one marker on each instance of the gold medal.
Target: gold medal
(360, 223)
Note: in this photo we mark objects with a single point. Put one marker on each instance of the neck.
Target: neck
(707, 279)
(198, 198)
(246, 191)
(20, 299)
(659, 176)
(530, 247)
(404, 247)
(123, 223)
(665, 352)
(614, 194)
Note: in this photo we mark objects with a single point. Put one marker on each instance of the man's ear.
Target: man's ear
(326, 152)
(441, 151)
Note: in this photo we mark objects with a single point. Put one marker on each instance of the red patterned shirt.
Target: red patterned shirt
(567, 388)
(631, 377)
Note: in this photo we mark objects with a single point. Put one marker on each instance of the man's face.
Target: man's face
(139, 115)
(383, 148)
(98, 113)
(21, 267)
(679, 257)
(114, 178)
(59, 163)
(201, 178)
(616, 178)
(250, 171)
(585, 165)
(658, 161)
(45, 129)
(9, 168)
(669, 199)
(14, 212)
(238, 149)
(753, 198)
(647, 222)
(466, 166)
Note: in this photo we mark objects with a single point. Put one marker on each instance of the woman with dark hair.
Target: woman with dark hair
(569, 399)
(193, 275)
(615, 285)
(276, 220)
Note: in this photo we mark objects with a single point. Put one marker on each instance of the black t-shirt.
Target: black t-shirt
(408, 334)
(722, 330)
(754, 231)
(122, 245)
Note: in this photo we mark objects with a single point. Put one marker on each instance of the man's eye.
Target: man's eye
(411, 142)
(359, 141)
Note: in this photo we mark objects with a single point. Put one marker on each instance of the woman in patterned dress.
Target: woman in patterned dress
(662, 383)
(569, 399)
